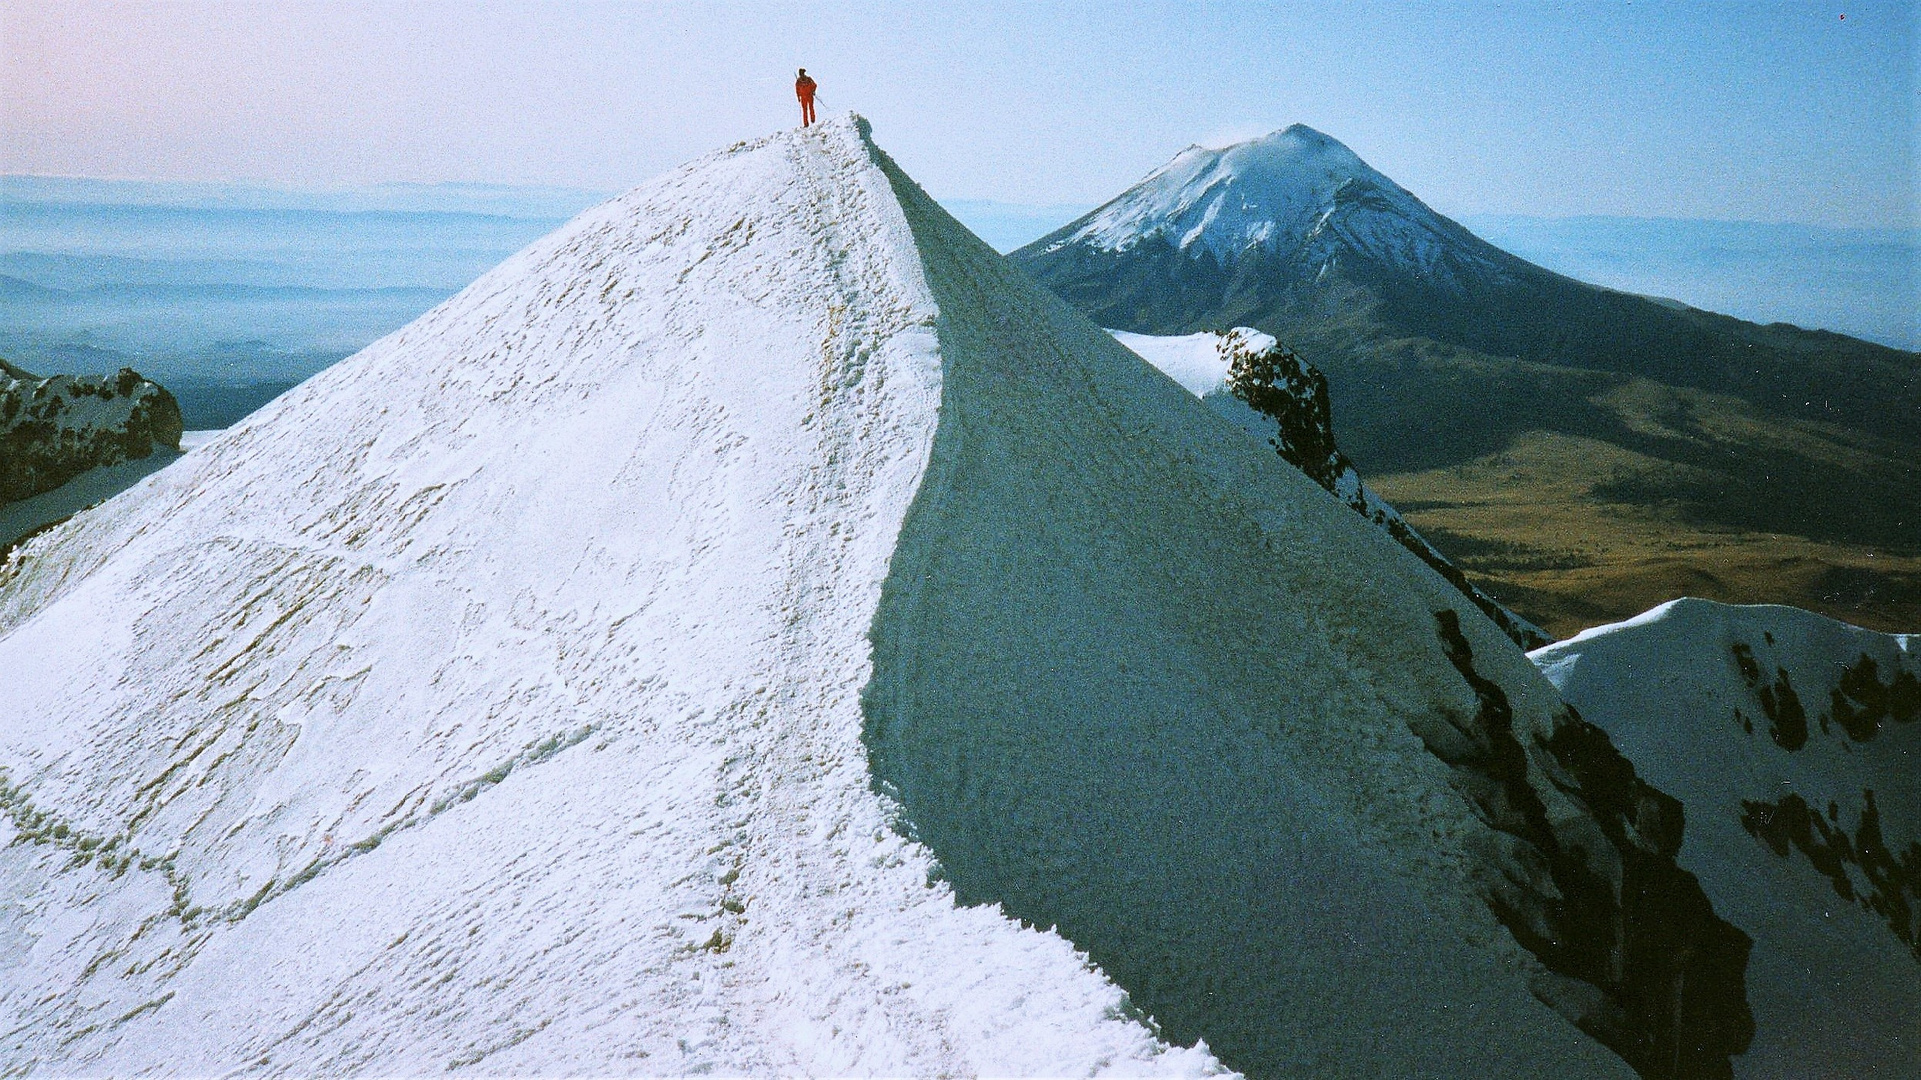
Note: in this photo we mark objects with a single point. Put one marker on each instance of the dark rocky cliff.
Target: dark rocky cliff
(1275, 382)
(53, 429)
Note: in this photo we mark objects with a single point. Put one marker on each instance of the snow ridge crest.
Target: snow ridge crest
(523, 649)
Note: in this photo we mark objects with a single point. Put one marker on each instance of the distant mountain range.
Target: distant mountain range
(1864, 282)
(1442, 350)
(532, 202)
(232, 293)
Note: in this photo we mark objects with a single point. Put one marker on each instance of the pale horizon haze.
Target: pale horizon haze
(1759, 112)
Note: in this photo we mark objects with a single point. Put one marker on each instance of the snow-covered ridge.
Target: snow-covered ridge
(587, 677)
(490, 700)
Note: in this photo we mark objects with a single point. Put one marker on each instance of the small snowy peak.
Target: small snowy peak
(489, 702)
(1193, 360)
(1199, 362)
(53, 429)
(1791, 740)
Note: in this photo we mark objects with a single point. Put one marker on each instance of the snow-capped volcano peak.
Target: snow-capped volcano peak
(1255, 193)
(1240, 235)
(1298, 199)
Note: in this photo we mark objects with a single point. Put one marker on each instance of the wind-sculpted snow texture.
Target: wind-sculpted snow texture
(1139, 680)
(489, 703)
(1253, 380)
(1793, 742)
(54, 429)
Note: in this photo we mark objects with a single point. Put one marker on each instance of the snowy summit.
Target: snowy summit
(755, 629)
(1228, 200)
(1272, 193)
(1247, 234)
(491, 700)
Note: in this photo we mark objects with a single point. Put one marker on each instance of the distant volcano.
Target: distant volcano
(1257, 228)
(1295, 226)
(1262, 219)
(1441, 349)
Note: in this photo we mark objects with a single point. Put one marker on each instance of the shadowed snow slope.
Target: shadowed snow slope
(490, 702)
(1793, 741)
(1138, 679)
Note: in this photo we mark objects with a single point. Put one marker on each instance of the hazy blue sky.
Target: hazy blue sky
(1771, 112)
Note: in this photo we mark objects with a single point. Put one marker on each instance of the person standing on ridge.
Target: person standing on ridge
(804, 90)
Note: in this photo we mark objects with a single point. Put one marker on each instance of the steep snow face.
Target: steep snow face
(1793, 740)
(489, 703)
(1276, 193)
(1138, 679)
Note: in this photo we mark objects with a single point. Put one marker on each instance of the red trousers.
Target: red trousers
(806, 110)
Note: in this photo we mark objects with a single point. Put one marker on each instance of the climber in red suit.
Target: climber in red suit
(804, 90)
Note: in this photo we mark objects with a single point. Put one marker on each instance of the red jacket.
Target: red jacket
(804, 88)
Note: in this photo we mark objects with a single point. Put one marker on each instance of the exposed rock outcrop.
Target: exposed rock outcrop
(53, 429)
(1272, 380)
(1638, 957)
(1790, 738)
